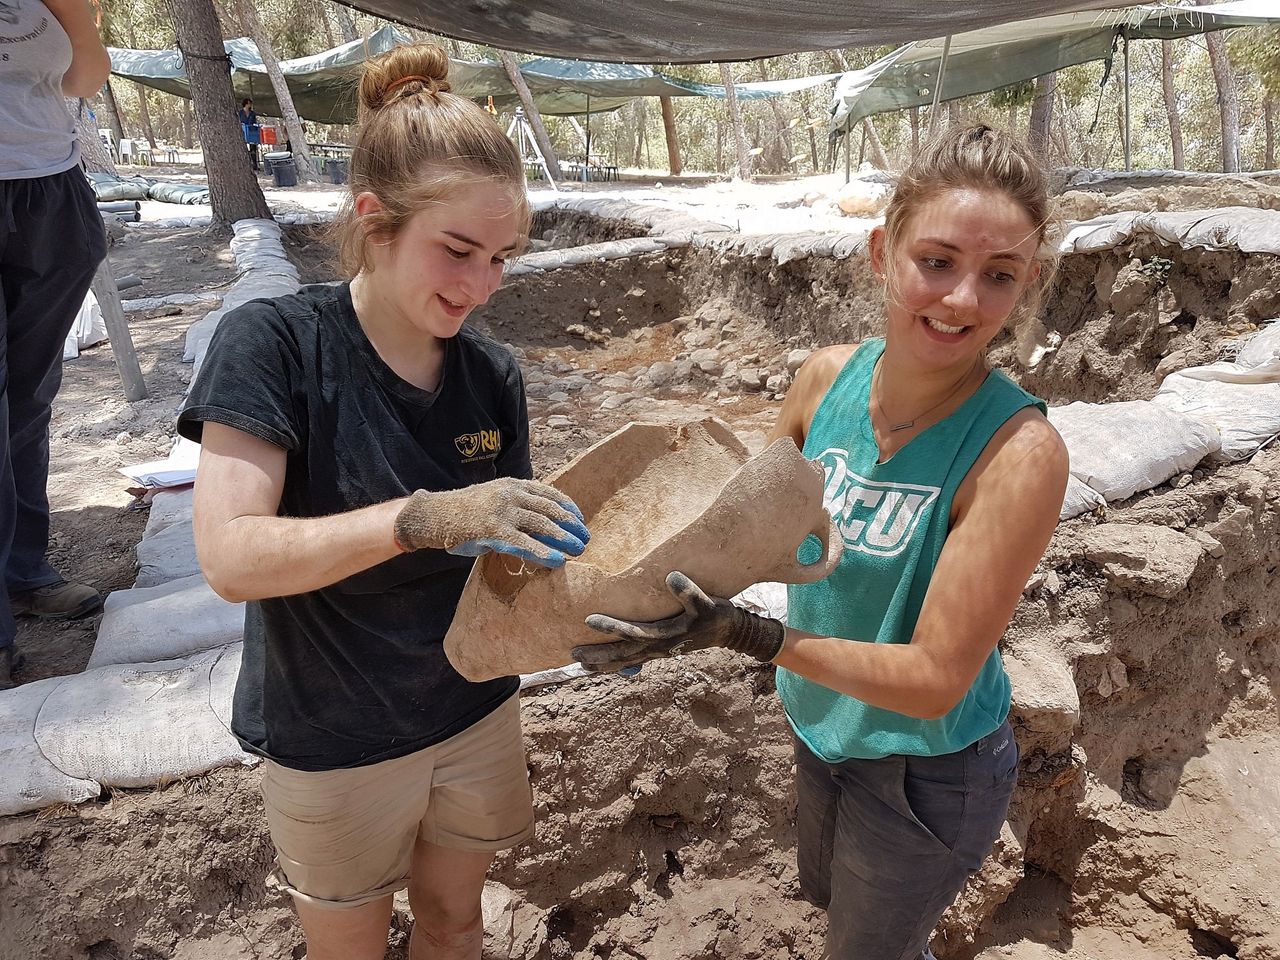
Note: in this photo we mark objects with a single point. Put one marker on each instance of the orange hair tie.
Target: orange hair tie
(431, 85)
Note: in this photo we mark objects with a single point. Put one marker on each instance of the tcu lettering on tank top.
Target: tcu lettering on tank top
(893, 518)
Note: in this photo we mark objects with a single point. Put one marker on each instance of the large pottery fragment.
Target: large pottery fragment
(656, 498)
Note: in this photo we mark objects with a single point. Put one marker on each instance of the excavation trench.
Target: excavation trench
(1147, 720)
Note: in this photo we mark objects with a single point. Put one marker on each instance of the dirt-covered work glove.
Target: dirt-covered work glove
(705, 622)
(523, 518)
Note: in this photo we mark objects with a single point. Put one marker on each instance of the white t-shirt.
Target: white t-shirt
(37, 134)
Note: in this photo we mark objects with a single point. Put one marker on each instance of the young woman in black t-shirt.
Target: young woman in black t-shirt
(360, 448)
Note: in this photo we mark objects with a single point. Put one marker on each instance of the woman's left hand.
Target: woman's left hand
(705, 622)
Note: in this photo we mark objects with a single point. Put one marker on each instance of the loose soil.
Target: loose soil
(1147, 829)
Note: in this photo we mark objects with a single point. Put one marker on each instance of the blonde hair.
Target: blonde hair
(417, 143)
(976, 158)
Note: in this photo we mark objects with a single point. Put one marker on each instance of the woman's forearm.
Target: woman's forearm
(90, 62)
(902, 677)
(255, 557)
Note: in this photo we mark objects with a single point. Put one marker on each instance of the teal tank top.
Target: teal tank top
(893, 517)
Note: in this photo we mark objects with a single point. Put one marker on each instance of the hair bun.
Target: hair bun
(404, 71)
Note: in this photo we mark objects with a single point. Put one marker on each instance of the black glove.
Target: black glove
(706, 622)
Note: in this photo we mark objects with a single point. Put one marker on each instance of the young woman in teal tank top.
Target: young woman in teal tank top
(945, 480)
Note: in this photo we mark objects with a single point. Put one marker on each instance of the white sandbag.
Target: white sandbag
(1119, 449)
(164, 622)
(1263, 348)
(169, 555)
(1242, 403)
(89, 329)
(30, 780)
(766, 599)
(1079, 498)
(137, 724)
(167, 508)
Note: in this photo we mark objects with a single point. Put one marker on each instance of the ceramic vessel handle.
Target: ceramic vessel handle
(828, 535)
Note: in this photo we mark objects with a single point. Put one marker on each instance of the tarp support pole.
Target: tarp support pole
(1128, 126)
(848, 149)
(586, 161)
(937, 89)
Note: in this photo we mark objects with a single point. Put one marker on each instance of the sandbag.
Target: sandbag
(135, 725)
(107, 187)
(1262, 348)
(179, 192)
(1079, 498)
(169, 555)
(30, 779)
(87, 330)
(1119, 449)
(165, 622)
(167, 508)
(1241, 402)
(657, 498)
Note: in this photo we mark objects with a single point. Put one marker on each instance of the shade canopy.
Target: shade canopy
(323, 86)
(983, 60)
(688, 31)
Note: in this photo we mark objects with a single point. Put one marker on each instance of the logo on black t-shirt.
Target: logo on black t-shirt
(484, 445)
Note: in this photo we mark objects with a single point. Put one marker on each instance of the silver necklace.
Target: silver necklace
(907, 424)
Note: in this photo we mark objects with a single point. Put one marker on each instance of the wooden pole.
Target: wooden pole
(673, 141)
(104, 288)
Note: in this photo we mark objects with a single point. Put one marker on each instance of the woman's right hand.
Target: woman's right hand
(523, 518)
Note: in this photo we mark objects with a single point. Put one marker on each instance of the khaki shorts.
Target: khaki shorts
(344, 838)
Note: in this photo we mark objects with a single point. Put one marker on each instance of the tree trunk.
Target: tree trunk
(1042, 114)
(144, 110)
(326, 26)
(187, 142)
(345, 24)
(735, 118)
(913, 117)
(786, 144)
(531, 113)
(93, 152)
(1269, 118)
(113, 111)
(673, 138)
(642, 121)
(289, 113)
(954, 114)
(719, 145)
(1171, 102)
(878, 156)
(1013, 115)
(1228, 101)
(233, 189)
(813, 147)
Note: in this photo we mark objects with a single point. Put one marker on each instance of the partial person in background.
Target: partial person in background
(251, 129)
(51, 242)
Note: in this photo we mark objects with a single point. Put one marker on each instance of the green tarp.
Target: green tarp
(983, 60)
(324, 85)
(693, 31)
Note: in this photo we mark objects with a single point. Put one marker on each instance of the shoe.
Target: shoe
(10, 663)
(57, 601)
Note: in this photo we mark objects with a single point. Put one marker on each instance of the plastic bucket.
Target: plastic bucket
(284, 173)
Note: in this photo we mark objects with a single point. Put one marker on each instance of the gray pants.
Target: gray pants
(885, 846)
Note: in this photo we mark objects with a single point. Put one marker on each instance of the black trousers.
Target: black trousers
(51, 242)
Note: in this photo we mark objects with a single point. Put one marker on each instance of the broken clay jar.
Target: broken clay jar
(656, 498)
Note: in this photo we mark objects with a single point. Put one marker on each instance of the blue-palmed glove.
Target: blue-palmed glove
(523, 518)
(705, 622)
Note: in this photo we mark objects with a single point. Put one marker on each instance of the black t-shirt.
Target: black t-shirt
(355, 673)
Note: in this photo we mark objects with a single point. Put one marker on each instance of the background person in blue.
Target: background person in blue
(945, 479)
(360, 445)
(250, 129)
(51, 242)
